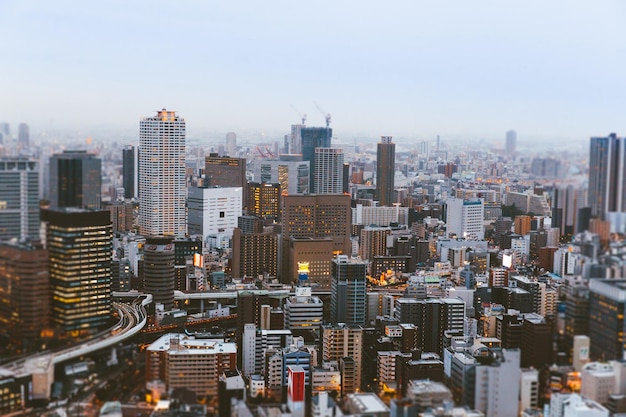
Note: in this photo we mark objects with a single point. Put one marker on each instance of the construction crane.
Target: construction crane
(326, 115)
(302, 116)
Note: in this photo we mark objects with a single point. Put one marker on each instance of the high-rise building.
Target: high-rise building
(464, 218)
(432, 316)
(19, 199)
(75, 180)
(80, 247)
(231, 143)
(129, 174)
(290, 171)
(315, 216)
(373, 242)
(214, 210)
(159, 272)
(314, 137)
(511, 143)
(254, 254)
(607, 173)
(328, 171)
(23, 135)
(225, 171)
(385, 170)
(340, 341)
(607, 308)
(162, 175)
(264, 200)
(348, 290)
(24, 291)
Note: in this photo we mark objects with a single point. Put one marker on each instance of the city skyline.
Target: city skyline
(459, 70)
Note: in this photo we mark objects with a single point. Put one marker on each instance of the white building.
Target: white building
(213, 211)
(573, 405)
(386, 367)
(529, 389)
(464, 218)
(598, 381)
(162, 179)
(328, 170)
(303, 311)
(185, 362)
(380, 216)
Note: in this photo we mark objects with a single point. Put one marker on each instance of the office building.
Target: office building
(317, 254)
(464, 218)
(24, 292)
(303, 311)
(328, 177)
(264, 200)
(162, 181)
(158, 271)
(182, 361)
(510, 146)
(522, 225)
(385, 171)
(314, 137)
(348, 290)
(607, 307)
(224, 171)
(290, 171)
(607, 170)
(214, 210)
(129, 171)
(19, 199)
(75, 180)
(122, 215)
(254, 254)
(80, 246)
(315, 216)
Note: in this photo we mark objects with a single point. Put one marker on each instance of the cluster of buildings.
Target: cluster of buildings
(409, 283)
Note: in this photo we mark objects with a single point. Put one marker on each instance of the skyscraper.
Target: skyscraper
(129, 177)
(231, 143)
(385, 170)
(511, 143)
(75, 180)
(80, 247)
(315, 216)
(290, 171)
(328, 171)
(162, 175)
(348, 290)
(223, 171)
(314, 137)
(607, 169)
(264, 200)
(19, 199)
(23, 136)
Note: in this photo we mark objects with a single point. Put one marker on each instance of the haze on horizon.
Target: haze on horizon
(413, 68)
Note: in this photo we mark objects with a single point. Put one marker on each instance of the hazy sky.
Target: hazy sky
(552, 69)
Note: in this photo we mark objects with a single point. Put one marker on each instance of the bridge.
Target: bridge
(133, 317)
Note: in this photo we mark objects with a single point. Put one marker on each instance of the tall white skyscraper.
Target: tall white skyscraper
(162, 190)
(328, 171)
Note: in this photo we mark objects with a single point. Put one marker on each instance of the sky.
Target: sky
(462, 69)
